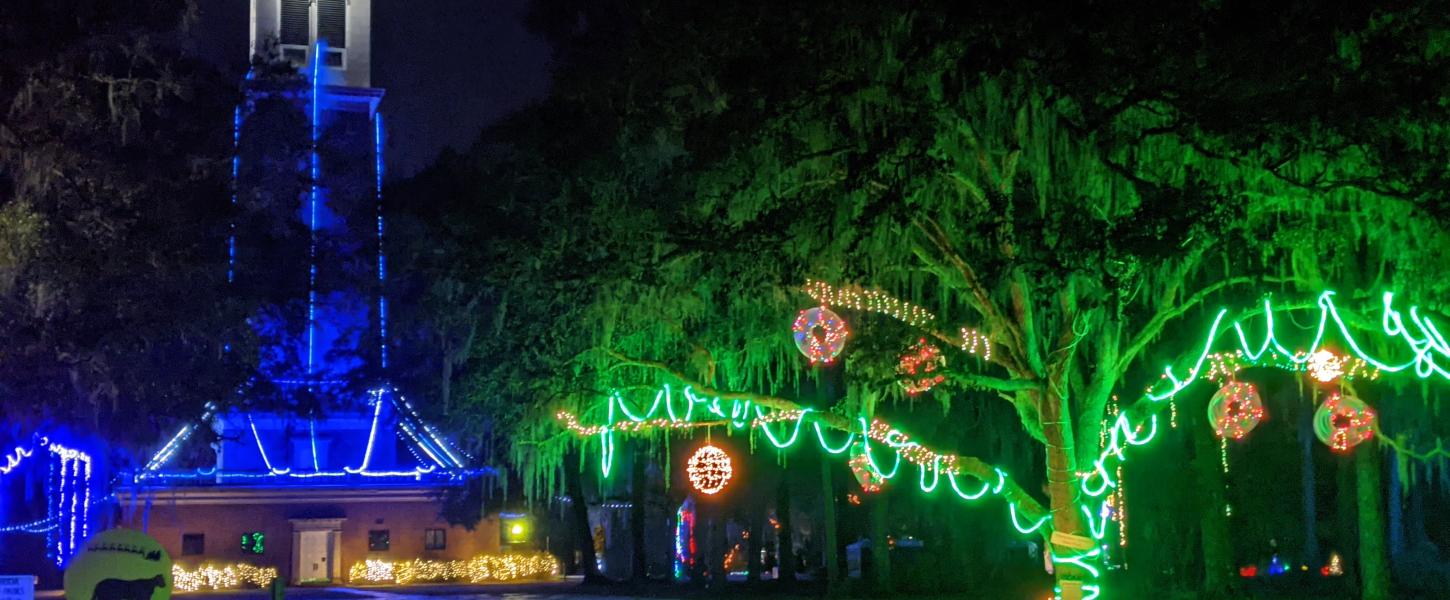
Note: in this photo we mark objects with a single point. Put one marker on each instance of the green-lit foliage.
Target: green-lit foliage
(1081, 187)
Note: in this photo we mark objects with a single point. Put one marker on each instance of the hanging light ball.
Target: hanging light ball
(1235, 410)
(820, 334)
(1342, 422)
(1325, 366)
(709, 470)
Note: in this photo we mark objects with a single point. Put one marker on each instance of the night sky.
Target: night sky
(448, 70)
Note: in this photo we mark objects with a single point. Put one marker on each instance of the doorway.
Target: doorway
(316, 555)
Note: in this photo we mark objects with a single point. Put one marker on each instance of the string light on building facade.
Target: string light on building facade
(709, 470)
(820, 334)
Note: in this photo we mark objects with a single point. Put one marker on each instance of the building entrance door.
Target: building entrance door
(316, 552)
(312, 554)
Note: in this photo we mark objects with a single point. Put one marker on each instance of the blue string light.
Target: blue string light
(236, 169)
(312, 437)
(316, 171)
(42, 526)
(382, 255)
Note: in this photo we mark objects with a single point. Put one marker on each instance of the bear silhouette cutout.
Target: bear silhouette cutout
(128, 589)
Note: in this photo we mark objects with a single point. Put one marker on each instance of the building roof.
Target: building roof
(387, 443)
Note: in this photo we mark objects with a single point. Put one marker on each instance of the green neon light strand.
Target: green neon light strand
(769, 435)
(952, 479)
(1077, 559)
(870, 460)
(1012, 508)
(850, 437)
(936, 476)
(739, 414)
(1425, 348)
(1097, 530)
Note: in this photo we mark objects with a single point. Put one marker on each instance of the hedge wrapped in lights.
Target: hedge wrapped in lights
(479, 569)
(225, 577)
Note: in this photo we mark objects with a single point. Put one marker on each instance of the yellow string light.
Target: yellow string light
(225, 577)
(479, 569)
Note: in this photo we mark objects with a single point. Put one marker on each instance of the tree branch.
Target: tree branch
(966, 465)
(1155, 325)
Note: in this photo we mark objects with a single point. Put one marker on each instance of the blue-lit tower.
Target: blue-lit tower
(331, 463)
(308, 237)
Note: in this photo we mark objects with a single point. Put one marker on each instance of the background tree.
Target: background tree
(1077, 184)
(113, 165)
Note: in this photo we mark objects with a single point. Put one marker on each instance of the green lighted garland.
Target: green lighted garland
(1425, 344)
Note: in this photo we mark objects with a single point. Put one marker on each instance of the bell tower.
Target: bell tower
(307, 194)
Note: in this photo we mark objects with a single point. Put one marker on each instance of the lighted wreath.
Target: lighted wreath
(1235, 410)
(870, 481)
(1343, 422)
(820, 334)
(919, 367)
(709, 470)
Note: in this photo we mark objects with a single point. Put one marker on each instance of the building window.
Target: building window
(193, 544)
(378, 540)
(296, 24)
(252, 543)
(435, 539)
(332, 22)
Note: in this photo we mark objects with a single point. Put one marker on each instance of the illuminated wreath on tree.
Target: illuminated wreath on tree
(709, 470)
(918, 367)
(1343, 422)
(820, 334)
(870, 481)
(1235, 410)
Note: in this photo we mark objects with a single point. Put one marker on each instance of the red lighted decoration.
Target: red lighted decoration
(1249, 571)
(1235, 410)
(920, 366)
(1343, 422)
(869, 480)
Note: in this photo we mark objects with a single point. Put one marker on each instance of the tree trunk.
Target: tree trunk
(1373, 559)
(579, 515)
(830, 555)
(786, 550)
(752, 546)
(1396, 511)
(719, 547)
(1062, 490)
(880, 546)
(445, 383)
(637, 485)
(1306, 482)
(1213, 516)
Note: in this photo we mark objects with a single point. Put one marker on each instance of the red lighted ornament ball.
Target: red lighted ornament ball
(709, 470)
